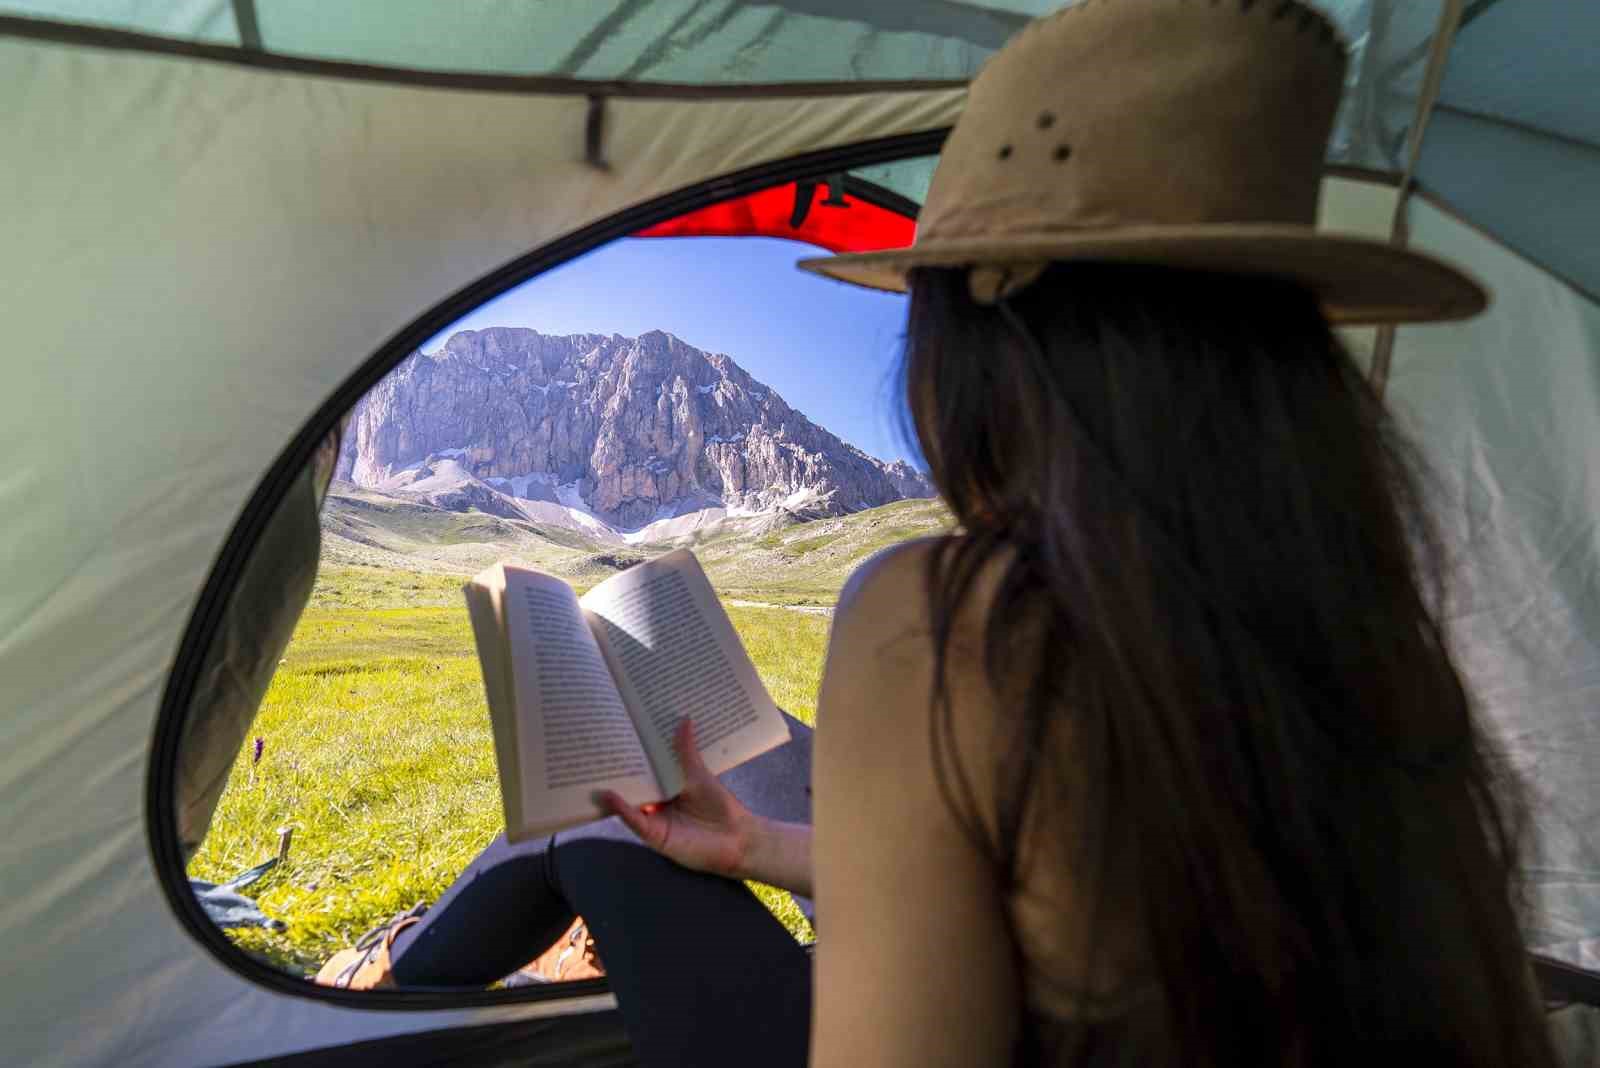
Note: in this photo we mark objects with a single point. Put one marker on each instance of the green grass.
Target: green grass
(378, 751)
(378, 754)
(382, 587)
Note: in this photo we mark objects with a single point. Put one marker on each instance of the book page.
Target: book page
(485, 596)
(674, 653)
(575, 735)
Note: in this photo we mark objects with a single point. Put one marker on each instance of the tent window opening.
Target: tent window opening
(338, 790)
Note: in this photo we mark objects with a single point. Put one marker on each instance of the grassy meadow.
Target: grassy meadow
(807, 563)
(377, 751)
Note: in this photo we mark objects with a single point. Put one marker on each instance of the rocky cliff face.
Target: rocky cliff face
(632, 429)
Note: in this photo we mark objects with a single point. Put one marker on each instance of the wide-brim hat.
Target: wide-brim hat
(1181, 133)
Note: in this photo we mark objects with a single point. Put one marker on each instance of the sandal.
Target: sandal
(367, 965)
(570, 958)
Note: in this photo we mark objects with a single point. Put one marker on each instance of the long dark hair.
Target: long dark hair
(1215, 565)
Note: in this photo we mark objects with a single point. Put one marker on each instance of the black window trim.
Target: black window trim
(166, 855)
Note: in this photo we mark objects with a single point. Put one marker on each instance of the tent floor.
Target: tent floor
(590, 1040)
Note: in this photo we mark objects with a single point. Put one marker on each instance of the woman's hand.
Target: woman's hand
(708, 829)
(705, 827)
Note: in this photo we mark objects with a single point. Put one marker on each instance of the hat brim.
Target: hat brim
(1358, 280)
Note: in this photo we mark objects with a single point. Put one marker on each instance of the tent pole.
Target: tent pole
(1399, 231)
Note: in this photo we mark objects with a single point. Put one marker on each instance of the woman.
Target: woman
(1161, 758)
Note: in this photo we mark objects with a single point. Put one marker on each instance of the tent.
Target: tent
(224, 221)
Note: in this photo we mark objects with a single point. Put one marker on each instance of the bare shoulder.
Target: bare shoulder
(879, 643)
(891, 582)
(892, 586)
(879, 681)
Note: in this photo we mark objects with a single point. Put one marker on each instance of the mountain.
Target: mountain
(638, 438)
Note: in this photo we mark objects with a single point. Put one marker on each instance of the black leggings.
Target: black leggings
(703, 973)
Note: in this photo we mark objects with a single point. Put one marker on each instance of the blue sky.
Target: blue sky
(827, 348)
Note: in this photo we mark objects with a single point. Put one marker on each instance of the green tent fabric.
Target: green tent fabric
(225, 220)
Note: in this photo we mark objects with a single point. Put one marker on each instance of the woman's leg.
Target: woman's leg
(703, 973)
(497, 916)
(506, 907)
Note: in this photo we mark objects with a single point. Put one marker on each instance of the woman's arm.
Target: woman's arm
(780, 854)
(915, 958)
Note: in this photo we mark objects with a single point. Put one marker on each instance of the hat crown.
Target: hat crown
(1127, 113)
(1181, 133)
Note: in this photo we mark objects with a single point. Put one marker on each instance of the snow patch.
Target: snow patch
(570, 499)
(663, 512)
(669, 524)
(458, 453)
(567, 493)
(520, 483)
(706, 389)
(586, 519)
(800, 497)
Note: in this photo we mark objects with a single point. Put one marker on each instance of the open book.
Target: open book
(586, 694)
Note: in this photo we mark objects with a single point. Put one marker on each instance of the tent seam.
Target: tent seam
(1445, 207)
(73, 34)
(1515, 124)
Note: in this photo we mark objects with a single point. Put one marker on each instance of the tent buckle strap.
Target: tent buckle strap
(594, 134)
(805, 192)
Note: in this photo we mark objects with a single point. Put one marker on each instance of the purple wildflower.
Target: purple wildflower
(261, 743)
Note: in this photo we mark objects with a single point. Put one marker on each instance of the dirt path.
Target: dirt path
(809, 609)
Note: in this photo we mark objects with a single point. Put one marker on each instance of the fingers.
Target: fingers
(639, 822)
(694, 766)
